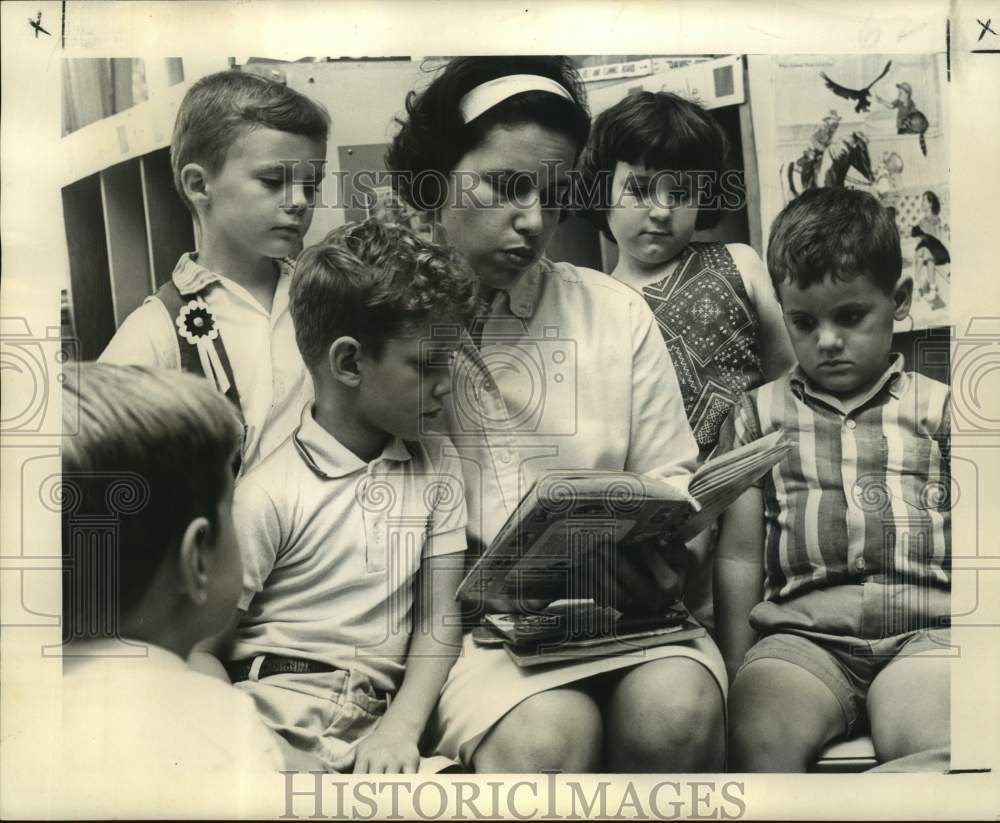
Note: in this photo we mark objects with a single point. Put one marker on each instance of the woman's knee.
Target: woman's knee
(559, 729)
(667, 716)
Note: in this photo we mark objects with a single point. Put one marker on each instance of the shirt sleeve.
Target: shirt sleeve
(146, 338)
(446, 526)
(255, 747)
(258, 531)
(661, 443)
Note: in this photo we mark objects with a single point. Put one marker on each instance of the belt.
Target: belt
(277, 664)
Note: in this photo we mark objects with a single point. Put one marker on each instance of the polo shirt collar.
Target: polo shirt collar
(190, 277)
(893, 378)
(326, 455)
(523, 296)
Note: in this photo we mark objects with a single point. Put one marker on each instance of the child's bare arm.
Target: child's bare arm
(776, 355)
(739, 576)
(434, 646)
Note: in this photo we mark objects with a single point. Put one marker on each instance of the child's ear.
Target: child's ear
(193, 566)
(194, 181)
(902, 295)
(342, 360)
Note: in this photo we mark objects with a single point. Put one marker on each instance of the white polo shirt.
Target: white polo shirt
(271, 377)
(148, 734)
(331, 547)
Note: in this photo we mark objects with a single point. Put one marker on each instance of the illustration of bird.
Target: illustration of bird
(36, 24)
(862, 96)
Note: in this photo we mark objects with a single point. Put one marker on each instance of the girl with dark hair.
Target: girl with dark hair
(657, 163)
(566, 371)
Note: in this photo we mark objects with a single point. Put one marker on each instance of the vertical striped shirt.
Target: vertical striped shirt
(864, 494)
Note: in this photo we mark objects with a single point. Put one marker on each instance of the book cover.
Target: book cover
(563, 536)
(634, 643)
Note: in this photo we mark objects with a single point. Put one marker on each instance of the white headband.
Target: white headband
(487, 95)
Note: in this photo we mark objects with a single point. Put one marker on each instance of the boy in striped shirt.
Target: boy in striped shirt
(833, 573)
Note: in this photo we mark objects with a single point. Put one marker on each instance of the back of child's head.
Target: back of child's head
(219, 108)
(153, 450)
(660, 132)
(376, 281)
(834, 232)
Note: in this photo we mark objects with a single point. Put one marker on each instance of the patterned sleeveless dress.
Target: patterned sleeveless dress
(711, 331)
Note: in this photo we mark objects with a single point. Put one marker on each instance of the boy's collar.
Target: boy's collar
(894, 377)
(328, 458)
(191, 277)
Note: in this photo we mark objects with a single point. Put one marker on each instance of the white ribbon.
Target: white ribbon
(211, 364)
(204, 342)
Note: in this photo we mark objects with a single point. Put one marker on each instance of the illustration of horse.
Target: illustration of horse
(831, 168)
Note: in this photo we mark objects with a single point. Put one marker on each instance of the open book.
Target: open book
(571, 524)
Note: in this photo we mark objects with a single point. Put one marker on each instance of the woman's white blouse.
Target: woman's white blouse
(572, 373)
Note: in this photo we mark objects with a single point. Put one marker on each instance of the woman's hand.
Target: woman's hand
(383, 752)
(648, 579)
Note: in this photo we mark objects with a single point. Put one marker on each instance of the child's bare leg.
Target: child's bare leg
(909, 705)
(780, 717)
(559, 730)
(665, 716)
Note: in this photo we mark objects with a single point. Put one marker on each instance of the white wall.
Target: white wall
(362, 99)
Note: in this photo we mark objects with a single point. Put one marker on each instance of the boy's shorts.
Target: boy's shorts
(846, 634)
(847, 665)
(325, 713)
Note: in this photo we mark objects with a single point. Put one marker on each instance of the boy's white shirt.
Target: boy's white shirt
(329, 563)
(137, 728)
(270, 375)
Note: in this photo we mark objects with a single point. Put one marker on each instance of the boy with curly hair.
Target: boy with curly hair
(353, 531)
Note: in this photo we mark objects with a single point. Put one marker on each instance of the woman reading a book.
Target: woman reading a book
(567, 371)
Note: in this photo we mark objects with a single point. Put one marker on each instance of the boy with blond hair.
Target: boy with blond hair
(247, 155)
(150, 568)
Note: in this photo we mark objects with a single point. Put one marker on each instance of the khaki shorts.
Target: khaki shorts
(323, 713)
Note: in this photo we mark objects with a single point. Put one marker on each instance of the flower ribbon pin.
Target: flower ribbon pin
(196, 324)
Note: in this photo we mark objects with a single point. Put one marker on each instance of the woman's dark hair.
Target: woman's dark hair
(933, 200)
(433, 136)
(659, 131)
